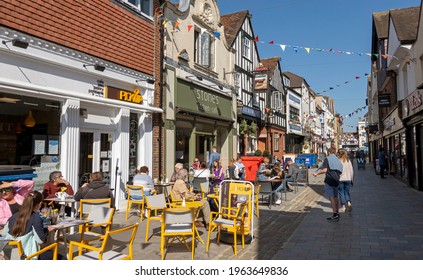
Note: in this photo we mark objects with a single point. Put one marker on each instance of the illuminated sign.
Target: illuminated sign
(124, 95)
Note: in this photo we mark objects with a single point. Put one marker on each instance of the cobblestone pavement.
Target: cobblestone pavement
(386, 223)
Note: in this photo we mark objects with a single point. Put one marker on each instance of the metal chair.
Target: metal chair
(135, 196)
(231, 219)
(117, 245)
(266, 191)
(179, 224)
(154, 204)
(19, 254)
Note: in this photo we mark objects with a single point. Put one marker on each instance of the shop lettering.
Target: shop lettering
(128, 96)
(206, 96)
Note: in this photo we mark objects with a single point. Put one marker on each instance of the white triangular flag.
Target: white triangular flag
(283, 47)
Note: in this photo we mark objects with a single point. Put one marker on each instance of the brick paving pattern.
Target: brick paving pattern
(386, 223)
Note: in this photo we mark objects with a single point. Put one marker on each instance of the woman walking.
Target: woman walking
(346, 181)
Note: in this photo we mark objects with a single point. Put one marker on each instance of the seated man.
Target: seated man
(180, 189)
(293, 170)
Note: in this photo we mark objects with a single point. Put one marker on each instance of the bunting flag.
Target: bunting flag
(352, 113)
(346, 82)
(331, 50)
(217, 34)
(189, 27)
(176, 25)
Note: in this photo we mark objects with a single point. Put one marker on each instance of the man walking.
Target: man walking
(382, 162)
(332, 168)
(213, 156)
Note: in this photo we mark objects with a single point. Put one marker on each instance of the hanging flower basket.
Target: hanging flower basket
(253, 128)
(243, 127)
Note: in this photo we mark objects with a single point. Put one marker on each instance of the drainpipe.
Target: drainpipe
(161, 82)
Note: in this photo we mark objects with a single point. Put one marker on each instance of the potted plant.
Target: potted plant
(266, 153)
(243, 127)
(258, 153)
(253, 128)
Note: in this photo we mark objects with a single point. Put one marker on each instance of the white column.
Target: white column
(145, 141)
(69, 147)
(121, 154)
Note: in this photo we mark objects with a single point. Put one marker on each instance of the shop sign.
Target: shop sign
(295, 127)
(201, 100)
(260, 81)
(98, 89)
(123, 95)
(412, 104)
(248, 111)
(384, 100)
(295, 99)
(389, 123)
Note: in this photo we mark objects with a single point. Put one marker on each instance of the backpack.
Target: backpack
(333, 177)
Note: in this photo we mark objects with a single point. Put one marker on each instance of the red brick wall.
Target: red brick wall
(100, 28)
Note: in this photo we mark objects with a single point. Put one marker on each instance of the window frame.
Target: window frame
(276, 139)
(199, 52)
(246, 47)
(138, 7)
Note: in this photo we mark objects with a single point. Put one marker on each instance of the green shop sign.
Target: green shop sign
(199, 100)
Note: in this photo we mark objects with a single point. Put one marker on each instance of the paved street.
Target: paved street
(386, 223)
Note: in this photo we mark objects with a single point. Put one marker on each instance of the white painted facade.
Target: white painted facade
(52, 72)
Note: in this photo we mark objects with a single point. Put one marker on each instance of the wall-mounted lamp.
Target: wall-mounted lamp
(17, 43)
(97, 67)
(198, 77)
(150, 81)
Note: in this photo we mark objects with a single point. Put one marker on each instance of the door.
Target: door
(204, 145)
(95, 155)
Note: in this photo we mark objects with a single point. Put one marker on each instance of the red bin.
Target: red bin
(251, 164)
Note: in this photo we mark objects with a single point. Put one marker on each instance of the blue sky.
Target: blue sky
(325, 24)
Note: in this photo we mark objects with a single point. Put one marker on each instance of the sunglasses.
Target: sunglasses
(196, 161)
(6, 190)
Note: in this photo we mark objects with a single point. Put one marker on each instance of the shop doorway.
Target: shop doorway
(95, 155)
(204, 146)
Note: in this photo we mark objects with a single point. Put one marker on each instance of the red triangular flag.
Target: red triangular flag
(189, 28)
(256, 39)
(272, 42)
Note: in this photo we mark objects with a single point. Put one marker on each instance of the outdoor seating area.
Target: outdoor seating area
(169, 224)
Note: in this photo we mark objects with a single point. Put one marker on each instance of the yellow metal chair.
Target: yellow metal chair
(204, 190)
(86, 205)
(117, 245)
(135, 196)
(99, 218)
(231, 219)
(20, 251)
(177, 223)
(155, 205)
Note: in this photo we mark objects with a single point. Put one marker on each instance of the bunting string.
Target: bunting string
(343, 84)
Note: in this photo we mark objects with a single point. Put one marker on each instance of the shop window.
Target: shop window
(144, 6)
(252, 144)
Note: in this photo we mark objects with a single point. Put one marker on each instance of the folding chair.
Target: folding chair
(266, 191)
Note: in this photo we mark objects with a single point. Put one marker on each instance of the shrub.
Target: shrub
(266, 153)
(258, 153)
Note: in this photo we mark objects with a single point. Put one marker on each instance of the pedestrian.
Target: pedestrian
(346, 181)
(213, 156)
(382, 162)
(332, 168)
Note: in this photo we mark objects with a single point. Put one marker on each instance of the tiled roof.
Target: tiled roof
(295, 80)
(381, 22)
(271, 64)
(406, 22)
(233, 23)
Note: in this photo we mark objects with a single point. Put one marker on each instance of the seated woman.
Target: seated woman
(217, 175)
(264, 171)
(12, 195)
(202, 172)
(180, 190)
(56, 184)
(27, 226)
(96, 188)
